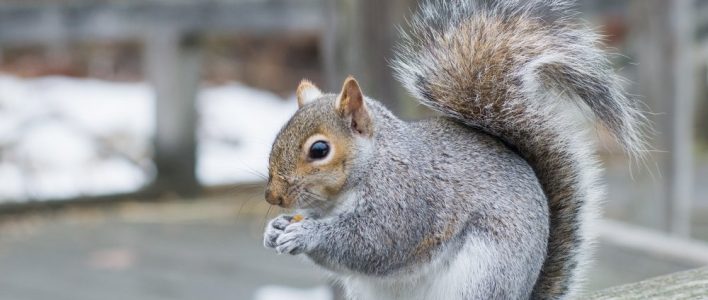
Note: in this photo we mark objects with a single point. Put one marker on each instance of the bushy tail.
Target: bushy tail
(510, 67)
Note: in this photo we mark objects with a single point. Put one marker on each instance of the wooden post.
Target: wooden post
(665, 44)
(685, 76)
(173, 62)
(359, 40)
(702, 90)
(57, 45)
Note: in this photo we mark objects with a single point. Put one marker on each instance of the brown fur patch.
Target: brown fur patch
(332, 174)
(487, 86)
(425, 248)
(350, 104)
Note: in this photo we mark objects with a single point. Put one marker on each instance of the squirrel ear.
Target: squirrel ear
(307, 92)
(351, 106)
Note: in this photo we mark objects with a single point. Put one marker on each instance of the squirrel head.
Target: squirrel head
(316, 152)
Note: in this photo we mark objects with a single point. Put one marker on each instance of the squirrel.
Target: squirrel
(489, 200)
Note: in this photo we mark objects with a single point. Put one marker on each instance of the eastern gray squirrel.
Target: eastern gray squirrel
(490, 200)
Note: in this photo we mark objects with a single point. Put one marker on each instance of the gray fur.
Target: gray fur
(432, 179)
(489, 200)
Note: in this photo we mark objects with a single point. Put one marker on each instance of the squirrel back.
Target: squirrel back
(510, 68)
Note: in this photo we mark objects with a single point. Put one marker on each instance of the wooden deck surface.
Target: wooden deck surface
(686, 285)
(208, 248)
(197, 250)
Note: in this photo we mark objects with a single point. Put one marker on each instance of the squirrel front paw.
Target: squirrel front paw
(274, 229)
(297, 238)
(288, 236)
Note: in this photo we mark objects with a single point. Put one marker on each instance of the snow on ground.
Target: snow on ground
(238, 128)
(64, 137)
(279, 293)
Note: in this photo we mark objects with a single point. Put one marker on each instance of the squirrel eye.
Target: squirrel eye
(319, 150)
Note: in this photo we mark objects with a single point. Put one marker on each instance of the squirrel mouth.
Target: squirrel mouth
(311, 201)
(286, 204)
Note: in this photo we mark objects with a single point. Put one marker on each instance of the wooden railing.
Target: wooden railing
(684, 285)
(171, 32)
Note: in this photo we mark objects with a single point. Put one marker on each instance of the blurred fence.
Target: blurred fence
(353, 42)
(171, 34)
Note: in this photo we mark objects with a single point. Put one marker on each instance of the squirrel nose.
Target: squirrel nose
(272, 198)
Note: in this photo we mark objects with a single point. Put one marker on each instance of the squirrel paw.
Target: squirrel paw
(296, 238)
(274, 229)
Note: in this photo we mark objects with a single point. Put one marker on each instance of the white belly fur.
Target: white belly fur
(437, 280)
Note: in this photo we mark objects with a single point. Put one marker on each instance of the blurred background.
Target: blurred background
(134, 138)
